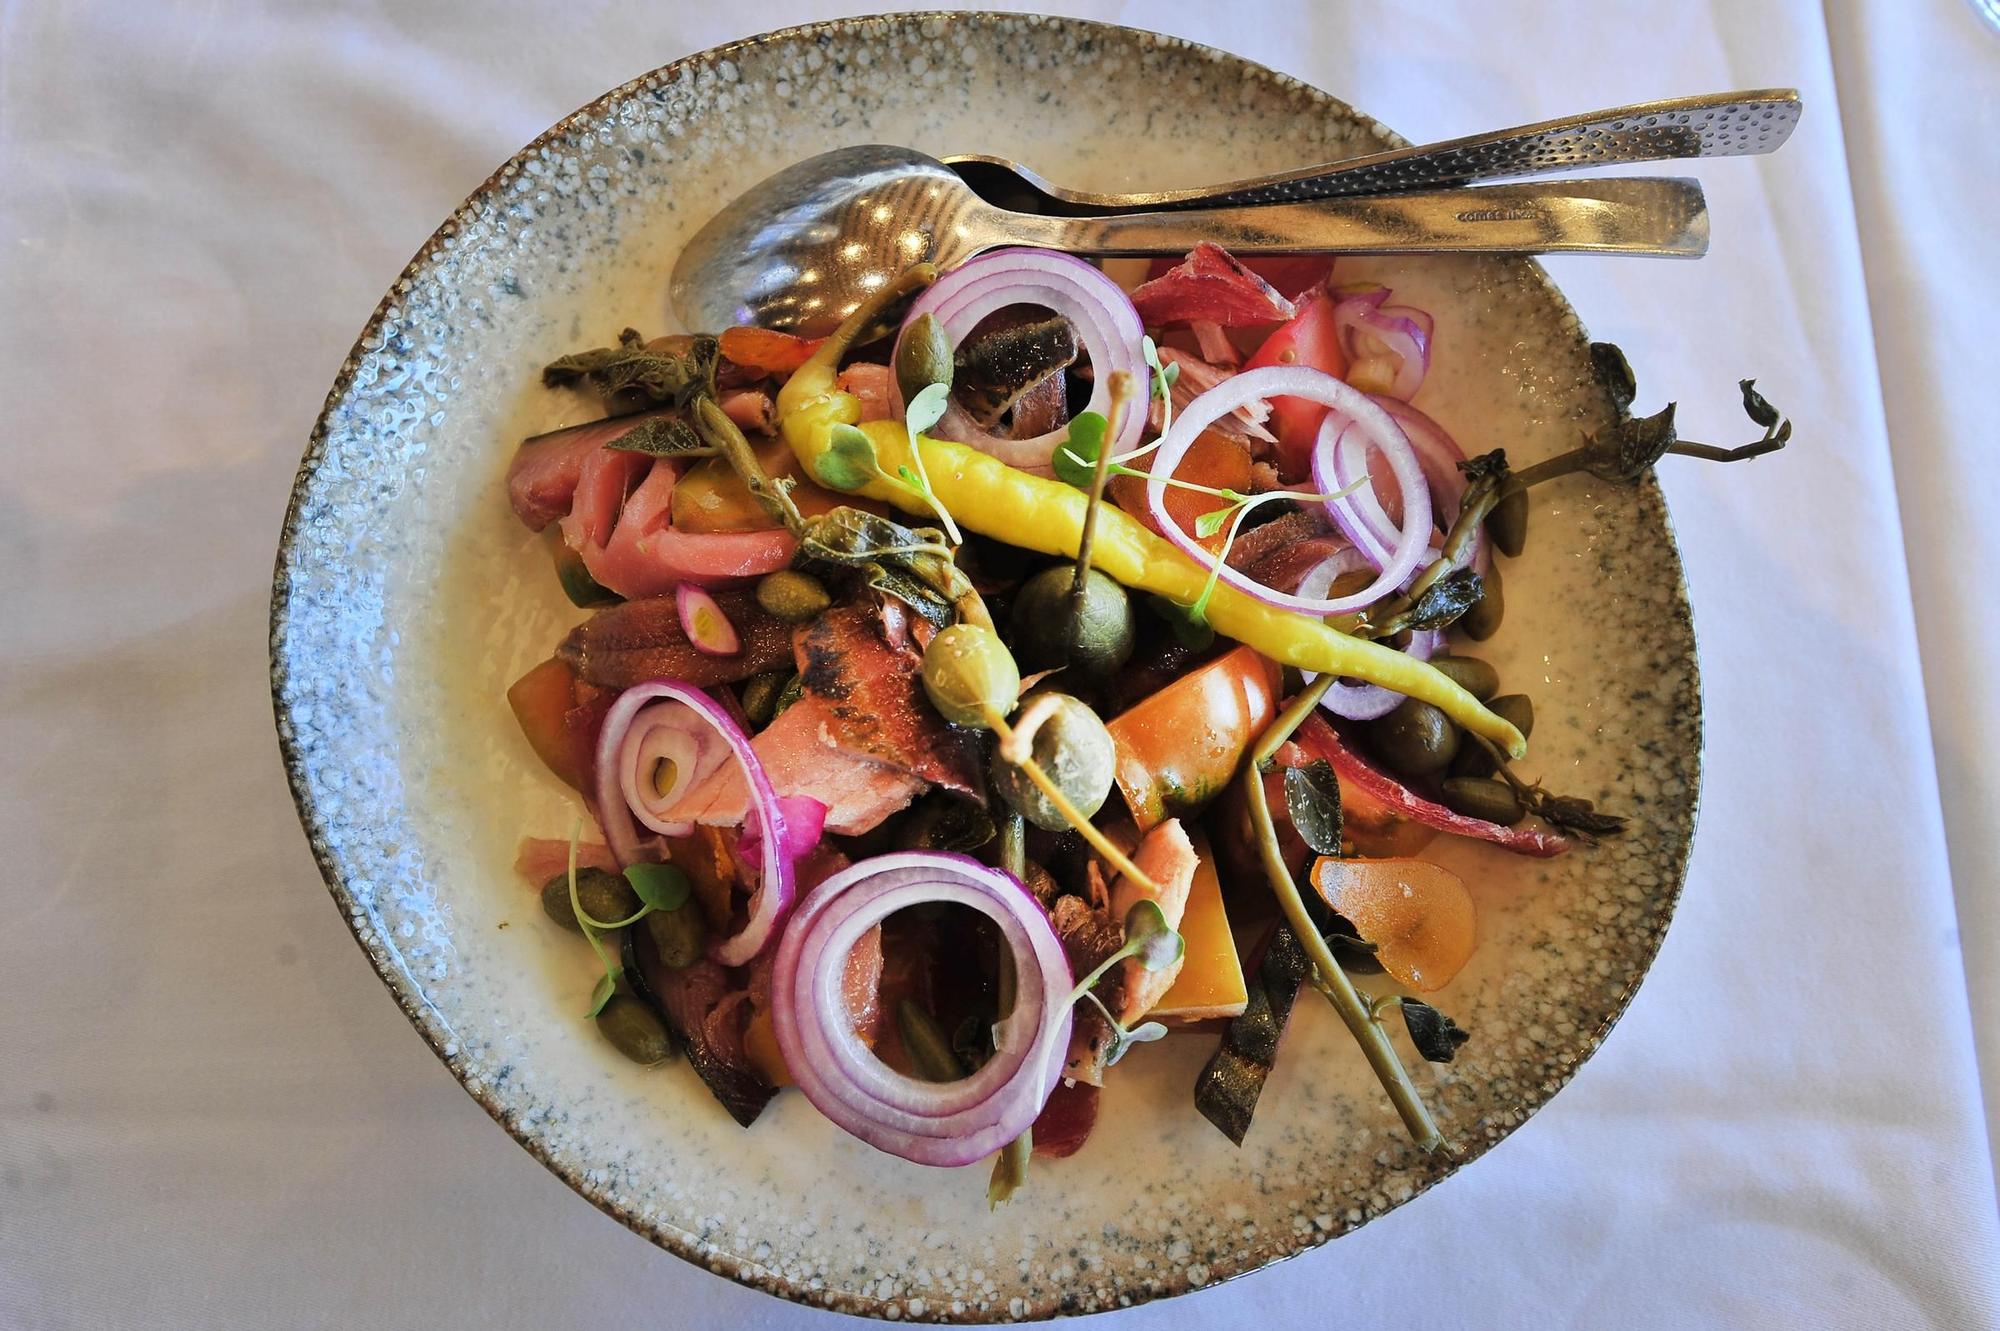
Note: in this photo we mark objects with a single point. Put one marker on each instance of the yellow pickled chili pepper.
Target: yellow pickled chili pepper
(1037, 513)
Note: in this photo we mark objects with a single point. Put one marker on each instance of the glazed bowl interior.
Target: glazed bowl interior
(407, 597)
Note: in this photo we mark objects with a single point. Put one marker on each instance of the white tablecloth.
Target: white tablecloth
(211, 1115)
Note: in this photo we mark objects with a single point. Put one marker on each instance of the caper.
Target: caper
(1416, 739)
(1050, 629)
(1473, 759)
(681, 935)
(923, 357)
(968, 672)
(1483, 620)
(635, 1030)
(795, 689)
(1072, 746)
(1507, 523)
(761, 694)
(1470, 673)
(605, 897)
(792, 596)
(1483, 797)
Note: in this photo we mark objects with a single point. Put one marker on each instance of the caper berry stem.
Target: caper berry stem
(1113, 856)
(1010, 1163)
(1121, 396)
(1332, 981)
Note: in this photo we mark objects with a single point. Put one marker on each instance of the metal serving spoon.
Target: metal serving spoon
(1717, 124)
(799, 251)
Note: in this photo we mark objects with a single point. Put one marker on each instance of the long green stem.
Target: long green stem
(1332, 981)
(1010, 1163)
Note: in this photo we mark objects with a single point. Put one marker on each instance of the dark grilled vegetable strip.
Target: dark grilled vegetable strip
(1227, 1091)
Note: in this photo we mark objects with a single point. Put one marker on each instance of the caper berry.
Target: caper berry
(761, 694)
(681, 936)
(605, 897)
(635, 1030)
(1473, 759)
(968, 672)
(1050, 629)
(1483, 620)
(1483, 797)
(1507, 523)
(1470, 673)
(1072, 746)
(792, 596)
(1416, 739)
(923, 357)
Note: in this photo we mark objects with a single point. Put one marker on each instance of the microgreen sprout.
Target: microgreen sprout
(850, 460)
(660, 887)
(1155, 945)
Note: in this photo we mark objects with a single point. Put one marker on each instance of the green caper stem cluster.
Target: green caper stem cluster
(1010, 1163)
(1328, 976)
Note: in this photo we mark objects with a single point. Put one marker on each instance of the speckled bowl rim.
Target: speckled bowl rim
(425, 1019)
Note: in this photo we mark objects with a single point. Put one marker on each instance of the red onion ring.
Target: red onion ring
(1348, 407)
(1402, 330)
(1438, 454)
(1360, 702)
(771, 899)
(1097, 308)
(931, 1123)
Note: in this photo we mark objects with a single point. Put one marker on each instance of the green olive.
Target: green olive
(968, 672)
(1072, 746)
(635, 1030)
(1050, 630)
(1470, 673)
(605, 897)
(923, 357)
(761, 694)
(1483, 797)
(1416, 739)
(1483, 620)
(680, 935)
(792, 596)
(1507, 523)
(1473, 759)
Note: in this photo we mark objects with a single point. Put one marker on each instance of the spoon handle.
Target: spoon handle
(1619, 215)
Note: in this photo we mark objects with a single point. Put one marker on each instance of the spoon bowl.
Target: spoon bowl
(802, 248)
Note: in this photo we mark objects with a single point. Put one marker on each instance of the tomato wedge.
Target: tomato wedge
(1215, 460)
(561, 715)
(1309, 338)
(1179, 748)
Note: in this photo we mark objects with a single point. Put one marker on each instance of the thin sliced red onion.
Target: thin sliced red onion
(1402, 331)
(1096, 307)
(1348, 407)
(771, 897)
(1439, 455)
(1360, 702)
(1342, 450)
(932, 1123)
(708, 629)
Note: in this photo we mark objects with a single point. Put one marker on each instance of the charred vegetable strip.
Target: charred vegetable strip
(1047, 515)
(1227, 1091)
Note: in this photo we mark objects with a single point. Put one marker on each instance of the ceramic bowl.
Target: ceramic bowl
(407, 597)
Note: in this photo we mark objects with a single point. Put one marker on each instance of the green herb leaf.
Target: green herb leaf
(915, 567)
(926, 409)
(849, 461)
(1312, 798)
(1755, 406)
(1209, 523)
(661, 886)
(676, 373)
(1150, 938)
(1577, 815)
(662, 437)
(607, 985)
(1171, 375)
(1075, 459)
(1436, 1036)
(1444, 601)
(1493, 465)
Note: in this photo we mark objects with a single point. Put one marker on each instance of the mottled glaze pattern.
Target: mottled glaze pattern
(406, 597)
